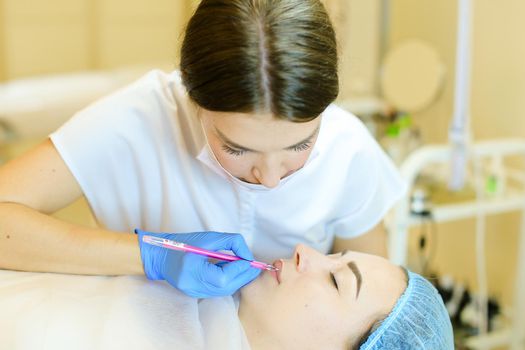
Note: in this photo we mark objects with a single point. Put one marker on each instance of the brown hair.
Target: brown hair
(261, 56)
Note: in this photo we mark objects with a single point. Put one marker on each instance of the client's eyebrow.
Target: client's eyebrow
(353, 267)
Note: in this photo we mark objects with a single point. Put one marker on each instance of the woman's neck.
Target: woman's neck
(258, 338)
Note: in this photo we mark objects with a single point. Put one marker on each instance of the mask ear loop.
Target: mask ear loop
(210, 150)
(212, 154)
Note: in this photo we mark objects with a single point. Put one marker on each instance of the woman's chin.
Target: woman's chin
(265, 281)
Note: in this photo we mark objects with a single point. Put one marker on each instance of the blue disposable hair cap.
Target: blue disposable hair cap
(419, 320)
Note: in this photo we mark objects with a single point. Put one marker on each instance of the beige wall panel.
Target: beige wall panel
(2, 41)
(359, 37)
(357, 24)
(498, 107)
(175, 9)
(46, 48)
(136, 44)
(23, 10)
(140, 31)
(65, 35)
(45, 37)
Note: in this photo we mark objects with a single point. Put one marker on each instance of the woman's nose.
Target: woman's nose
(268, 172)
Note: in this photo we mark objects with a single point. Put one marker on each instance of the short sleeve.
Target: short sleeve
(115, 150)
(101, 158)
(374, 185)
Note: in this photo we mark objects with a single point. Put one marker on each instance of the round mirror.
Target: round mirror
(412, 76)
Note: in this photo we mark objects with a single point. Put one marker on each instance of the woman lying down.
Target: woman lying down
(342, 301)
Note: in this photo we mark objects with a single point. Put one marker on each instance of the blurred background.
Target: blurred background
(399, 71)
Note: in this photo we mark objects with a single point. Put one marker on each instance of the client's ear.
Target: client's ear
(364, 337)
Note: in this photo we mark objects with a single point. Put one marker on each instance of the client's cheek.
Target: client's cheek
(306, 300)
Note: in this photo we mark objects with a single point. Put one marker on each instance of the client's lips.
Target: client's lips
(279, 265)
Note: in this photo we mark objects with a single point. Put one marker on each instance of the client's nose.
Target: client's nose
(301, 257)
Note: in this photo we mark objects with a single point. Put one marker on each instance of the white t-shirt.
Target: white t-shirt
(142, 160)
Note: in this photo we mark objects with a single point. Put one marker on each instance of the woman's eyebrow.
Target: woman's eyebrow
(353, 267)
(306, 140)
(231, 143)
(237, 146)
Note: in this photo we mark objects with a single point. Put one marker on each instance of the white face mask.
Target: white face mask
(208, 157)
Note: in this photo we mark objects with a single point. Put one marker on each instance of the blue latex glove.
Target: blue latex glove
(193, 274)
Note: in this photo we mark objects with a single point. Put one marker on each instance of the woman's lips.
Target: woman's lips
(279, 265)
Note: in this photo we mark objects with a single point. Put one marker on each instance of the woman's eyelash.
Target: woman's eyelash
(234, 152)
(334, 281)
(302, 147)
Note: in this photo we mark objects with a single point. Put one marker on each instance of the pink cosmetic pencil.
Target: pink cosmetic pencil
(169, 244)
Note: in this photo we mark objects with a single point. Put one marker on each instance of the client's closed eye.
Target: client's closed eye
(334, 281)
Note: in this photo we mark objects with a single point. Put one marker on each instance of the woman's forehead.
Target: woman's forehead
(242, 128)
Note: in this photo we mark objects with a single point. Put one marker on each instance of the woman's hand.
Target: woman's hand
(193, 274)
